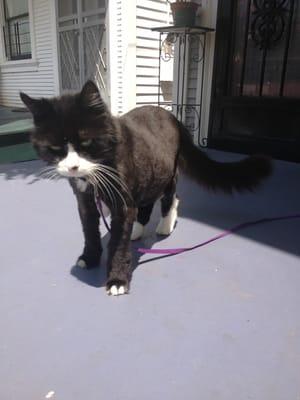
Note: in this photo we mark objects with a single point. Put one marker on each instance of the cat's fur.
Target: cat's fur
(145, 147)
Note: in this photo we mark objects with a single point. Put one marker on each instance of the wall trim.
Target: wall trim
(19, 66)
(54, 17)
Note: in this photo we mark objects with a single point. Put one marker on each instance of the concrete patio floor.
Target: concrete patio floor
(219, 323)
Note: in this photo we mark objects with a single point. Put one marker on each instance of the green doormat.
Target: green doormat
(17, 153)
(10, 153)
(22, 125)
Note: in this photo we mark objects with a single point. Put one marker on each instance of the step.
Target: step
(15, 143)
(17, 153)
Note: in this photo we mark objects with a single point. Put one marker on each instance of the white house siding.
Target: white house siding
(149, 14)
(40, 80)
(122, 55)
(134, 50)
(116, 55)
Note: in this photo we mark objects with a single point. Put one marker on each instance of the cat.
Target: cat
(131, 161)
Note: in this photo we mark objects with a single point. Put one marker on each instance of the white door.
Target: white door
(82, 44)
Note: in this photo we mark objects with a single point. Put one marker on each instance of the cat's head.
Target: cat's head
(74, 133)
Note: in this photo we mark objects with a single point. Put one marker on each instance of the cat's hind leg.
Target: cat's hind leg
(169, 206)
(143, 217)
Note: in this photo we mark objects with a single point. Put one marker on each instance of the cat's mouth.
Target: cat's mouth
(72, 172)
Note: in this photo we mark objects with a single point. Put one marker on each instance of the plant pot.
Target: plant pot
(184, 13)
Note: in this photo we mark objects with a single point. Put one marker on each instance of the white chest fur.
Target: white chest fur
(81, 184)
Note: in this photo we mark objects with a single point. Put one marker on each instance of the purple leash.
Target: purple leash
(100, 210)
(217, 237)
(213, 239)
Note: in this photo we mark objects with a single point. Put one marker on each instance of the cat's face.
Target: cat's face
(71, 133)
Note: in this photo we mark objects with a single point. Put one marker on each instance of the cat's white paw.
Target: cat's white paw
(167, 224)
(81, 263)
(137, 231)
(116, 291)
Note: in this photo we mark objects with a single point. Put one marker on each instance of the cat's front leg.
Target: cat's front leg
(119, 253)
(89, 217)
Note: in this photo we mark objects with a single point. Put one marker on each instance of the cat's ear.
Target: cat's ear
(39, 108)
(30, 103)
(91, 98)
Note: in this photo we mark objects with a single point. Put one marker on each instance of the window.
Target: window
(16, 29)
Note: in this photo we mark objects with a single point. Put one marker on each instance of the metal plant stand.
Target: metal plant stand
(185, 47)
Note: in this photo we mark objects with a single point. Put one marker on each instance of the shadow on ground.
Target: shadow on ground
(278, 196)
(23, 170)
(96, 277)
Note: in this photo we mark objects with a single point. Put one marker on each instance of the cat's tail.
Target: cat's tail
(240, 176)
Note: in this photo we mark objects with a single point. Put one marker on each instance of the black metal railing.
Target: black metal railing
(189, 57)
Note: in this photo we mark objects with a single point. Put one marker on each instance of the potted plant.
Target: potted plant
(184, 12)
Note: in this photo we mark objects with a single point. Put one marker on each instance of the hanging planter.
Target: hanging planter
(184, 12)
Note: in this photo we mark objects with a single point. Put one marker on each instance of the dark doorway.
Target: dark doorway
(256, 88)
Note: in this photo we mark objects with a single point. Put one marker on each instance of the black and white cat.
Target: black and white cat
(131, 161)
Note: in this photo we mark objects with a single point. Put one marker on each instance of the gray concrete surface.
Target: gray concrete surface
(221, 322)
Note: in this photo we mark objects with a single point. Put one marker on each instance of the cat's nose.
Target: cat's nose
(74, 168)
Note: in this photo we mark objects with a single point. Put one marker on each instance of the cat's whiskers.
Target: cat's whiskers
(49, 174)
(53, 176)
(113, 173)
(107, 176)
(101, 174)
(98, 180)
(115, 176)
(46, 169)
(110, 191)
(95, 185)
(108, 187)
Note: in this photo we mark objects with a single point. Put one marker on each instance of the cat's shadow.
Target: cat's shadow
(97, 276)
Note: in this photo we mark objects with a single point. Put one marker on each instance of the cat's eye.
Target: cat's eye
(54, 148)
(86, 143)
(83, 134)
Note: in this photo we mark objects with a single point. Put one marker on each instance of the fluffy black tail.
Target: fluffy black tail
(240, 176)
